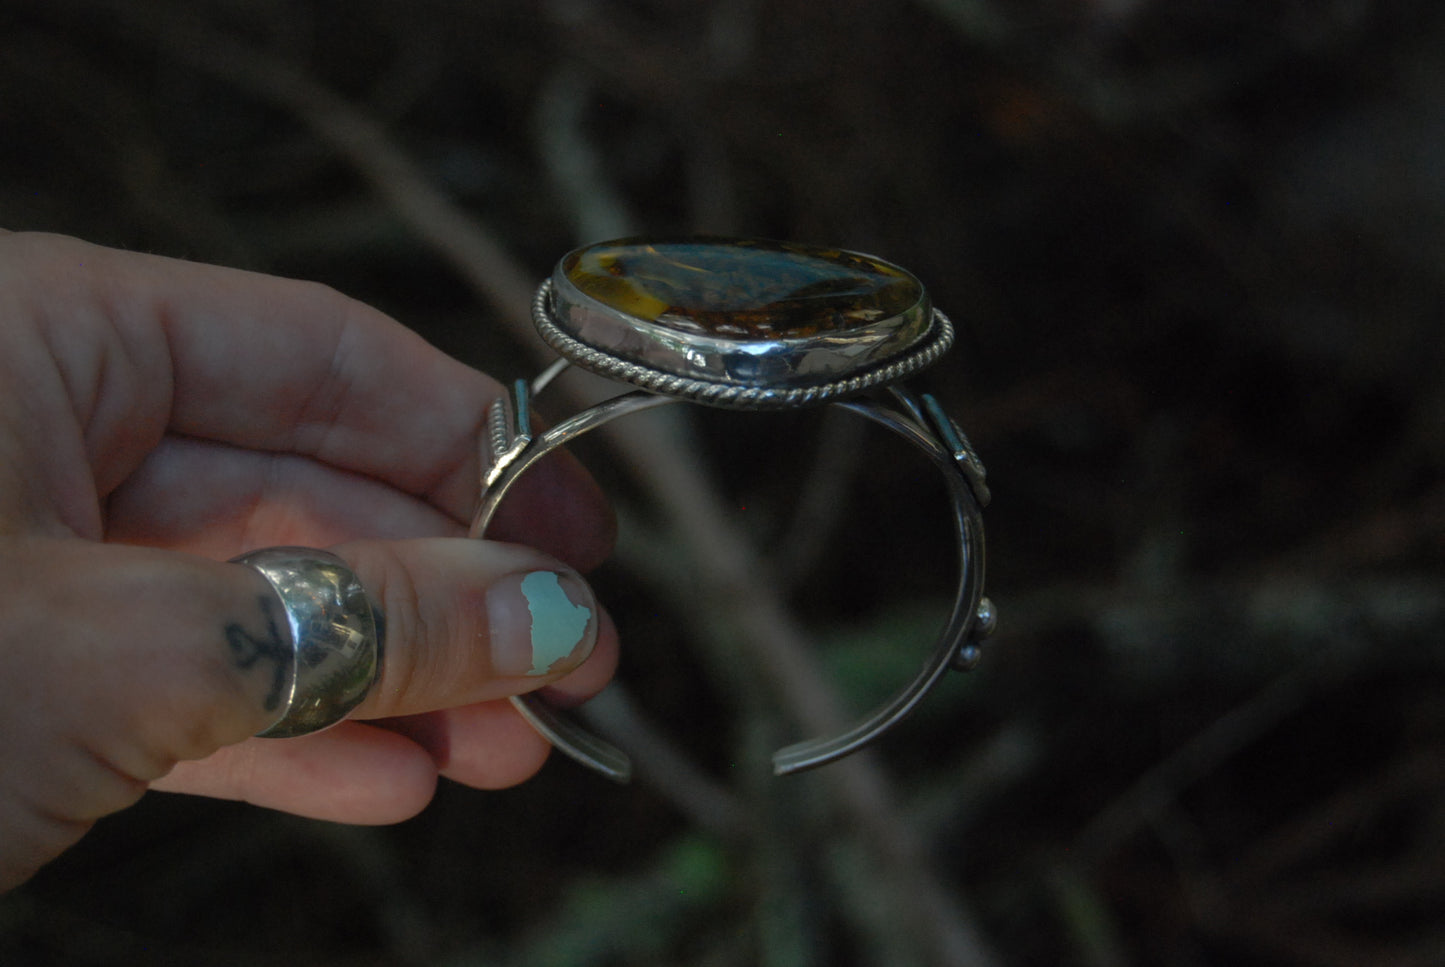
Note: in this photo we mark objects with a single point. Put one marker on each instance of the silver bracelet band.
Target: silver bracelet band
(640, 311)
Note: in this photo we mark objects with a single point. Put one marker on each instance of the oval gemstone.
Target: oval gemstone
(743, 289)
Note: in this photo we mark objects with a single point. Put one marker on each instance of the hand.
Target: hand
(159, 417)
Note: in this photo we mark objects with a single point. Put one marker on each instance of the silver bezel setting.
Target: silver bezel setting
(754, 374)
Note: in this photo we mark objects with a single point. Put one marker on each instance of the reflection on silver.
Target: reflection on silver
(334, 635)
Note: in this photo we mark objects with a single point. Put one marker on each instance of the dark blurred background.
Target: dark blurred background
(1196, 252)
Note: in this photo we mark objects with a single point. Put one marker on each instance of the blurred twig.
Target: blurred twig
(573, 164)
(661, 765)
(1143, 801)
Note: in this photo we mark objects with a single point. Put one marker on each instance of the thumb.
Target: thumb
(469, 621)
(119, 663)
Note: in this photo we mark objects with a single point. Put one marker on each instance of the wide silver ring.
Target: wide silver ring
(661, 351)
(334, 637)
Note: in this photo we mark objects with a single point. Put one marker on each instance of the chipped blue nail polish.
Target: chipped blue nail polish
(559, 625)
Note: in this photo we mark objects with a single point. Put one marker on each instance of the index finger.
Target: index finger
(280, 366)
(285, 366)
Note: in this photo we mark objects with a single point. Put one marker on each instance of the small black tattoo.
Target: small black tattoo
(272, 648)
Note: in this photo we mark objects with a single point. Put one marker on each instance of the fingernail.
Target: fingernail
(541, 622)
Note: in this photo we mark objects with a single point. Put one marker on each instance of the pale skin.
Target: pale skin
(159, 417)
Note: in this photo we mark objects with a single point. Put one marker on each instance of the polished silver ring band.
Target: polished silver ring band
(335, 637)
(917, 419)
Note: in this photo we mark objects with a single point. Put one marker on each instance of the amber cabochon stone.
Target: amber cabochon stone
(743, 289)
